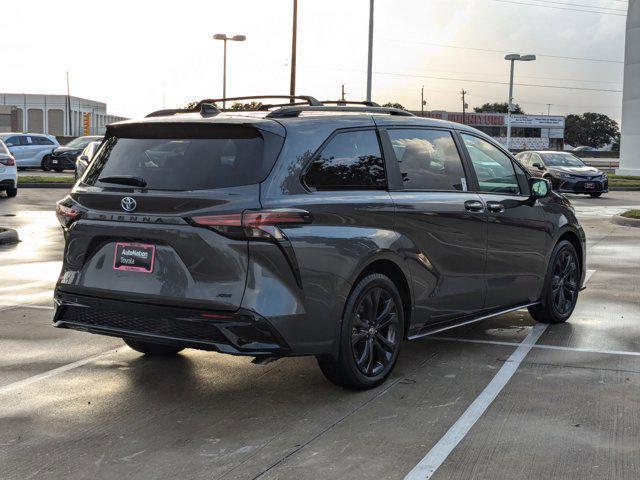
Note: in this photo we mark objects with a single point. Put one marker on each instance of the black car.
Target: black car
(308, 229)
(566, 172)
(64, 158)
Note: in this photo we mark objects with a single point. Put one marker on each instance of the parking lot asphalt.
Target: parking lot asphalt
(499, 399)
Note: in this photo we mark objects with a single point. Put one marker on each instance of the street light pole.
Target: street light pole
(225, 38)
(513, 57)
(509, 104)
(370, 53)
(292, 85)
(422, 102)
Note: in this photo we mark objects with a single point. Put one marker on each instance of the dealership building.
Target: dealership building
(20, 112)
(528, 132)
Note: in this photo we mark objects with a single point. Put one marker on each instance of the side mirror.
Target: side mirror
(539, 187)
(537, 165)
(9, 144)
(84, 158)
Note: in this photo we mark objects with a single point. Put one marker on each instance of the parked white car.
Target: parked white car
(8, 172)
(29, 149)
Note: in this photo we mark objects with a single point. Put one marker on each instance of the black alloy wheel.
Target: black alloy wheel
(374, 334)
(562, 286)
(371, 335)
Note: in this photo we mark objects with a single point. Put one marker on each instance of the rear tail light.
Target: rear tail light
(255, 224)
(66, 215)
(9, 162)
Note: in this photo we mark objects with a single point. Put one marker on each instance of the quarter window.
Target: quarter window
(493, 168)
(351, 160)
(428, 159)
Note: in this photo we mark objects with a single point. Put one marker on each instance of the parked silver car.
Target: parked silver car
(29, 149)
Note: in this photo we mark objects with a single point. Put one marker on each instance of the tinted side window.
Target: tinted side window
(15, 141)
(42, 141)
(428, 159)
(493, 168)
(349, 160)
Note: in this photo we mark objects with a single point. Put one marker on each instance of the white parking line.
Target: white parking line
(51, 373)
(439, 453)
(628, 353)
(8, 306)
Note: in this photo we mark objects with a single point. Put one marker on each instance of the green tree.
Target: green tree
(246, 106)
(590, 129)
(393, 105)
(496, 107)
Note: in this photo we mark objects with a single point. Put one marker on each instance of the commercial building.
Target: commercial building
(24, 112)
(528, 132)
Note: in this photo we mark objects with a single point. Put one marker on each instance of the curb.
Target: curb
(45, 185)
(626, 222)
(625, 189)
(8, 236)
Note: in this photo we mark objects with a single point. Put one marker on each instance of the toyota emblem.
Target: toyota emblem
(128, 204)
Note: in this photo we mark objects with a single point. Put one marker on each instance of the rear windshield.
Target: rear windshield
(186, 159)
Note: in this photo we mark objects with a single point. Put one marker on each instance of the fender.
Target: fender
(386, 255)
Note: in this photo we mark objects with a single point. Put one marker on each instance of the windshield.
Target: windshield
(80, 142)
(243, 156)
(561, 160)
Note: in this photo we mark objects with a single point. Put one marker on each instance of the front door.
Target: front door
(517, 237)
(442, 225)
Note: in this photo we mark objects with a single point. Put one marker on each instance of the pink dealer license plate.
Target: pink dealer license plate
(134, 257)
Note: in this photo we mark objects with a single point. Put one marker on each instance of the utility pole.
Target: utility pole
(370, 53)
(342, 94)
(548, 109)
(464, 106)
(69, 105)
(292, 85)
(422, 102)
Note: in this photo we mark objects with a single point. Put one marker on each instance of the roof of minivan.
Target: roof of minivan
(260, 120)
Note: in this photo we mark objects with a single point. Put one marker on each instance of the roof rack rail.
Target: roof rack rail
(295, 111)
(205, 109)
(306, 100)
(349, 102)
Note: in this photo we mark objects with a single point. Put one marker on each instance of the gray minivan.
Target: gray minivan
(308, 229)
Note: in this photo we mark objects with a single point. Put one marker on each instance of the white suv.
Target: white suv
(29, 148)
(8, 172)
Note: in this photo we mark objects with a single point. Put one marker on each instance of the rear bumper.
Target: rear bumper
(238, 333)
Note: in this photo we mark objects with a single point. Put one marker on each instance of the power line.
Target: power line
(504, 51)
(580, 5)
(559, 8)
(493, 82)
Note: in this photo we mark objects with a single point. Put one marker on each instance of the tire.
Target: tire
(372, 329)
(595, 195)
(11, 192)
(562, 281)
(154, 349)
(44, 165)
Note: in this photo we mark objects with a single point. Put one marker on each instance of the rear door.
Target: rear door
(17, 145)
(178, 239)
(517, 233)
(443, 225)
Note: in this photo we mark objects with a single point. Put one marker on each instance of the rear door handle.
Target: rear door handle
(473, 206)
(495, 207)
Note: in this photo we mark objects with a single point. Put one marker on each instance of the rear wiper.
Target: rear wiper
(125, 180)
